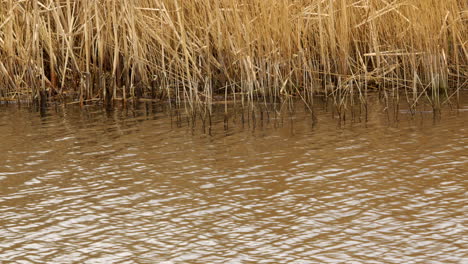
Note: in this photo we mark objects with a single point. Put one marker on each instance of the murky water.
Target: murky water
(90, 186)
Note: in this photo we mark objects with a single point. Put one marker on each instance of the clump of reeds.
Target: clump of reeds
(192, 50)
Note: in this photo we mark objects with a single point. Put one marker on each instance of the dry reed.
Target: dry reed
(190, 51)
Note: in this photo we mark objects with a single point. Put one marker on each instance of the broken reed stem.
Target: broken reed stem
(190, 51)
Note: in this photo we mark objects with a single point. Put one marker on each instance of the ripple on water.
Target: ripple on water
(99, 187)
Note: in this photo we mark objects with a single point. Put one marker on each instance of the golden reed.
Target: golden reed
(192, 50)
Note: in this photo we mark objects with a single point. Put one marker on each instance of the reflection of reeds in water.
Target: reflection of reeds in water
(382, 108)
(191, 51)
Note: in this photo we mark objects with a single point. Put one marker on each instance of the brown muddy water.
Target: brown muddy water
(137, 186)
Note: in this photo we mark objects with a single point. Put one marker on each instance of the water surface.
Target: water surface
(136, 186)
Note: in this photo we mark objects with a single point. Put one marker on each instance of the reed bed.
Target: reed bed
(193, 52)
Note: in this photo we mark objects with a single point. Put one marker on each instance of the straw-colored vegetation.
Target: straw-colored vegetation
(193, 50)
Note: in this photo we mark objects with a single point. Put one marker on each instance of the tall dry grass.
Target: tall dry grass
(192, 50)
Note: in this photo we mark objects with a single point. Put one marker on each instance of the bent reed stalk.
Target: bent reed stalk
(189, 51)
